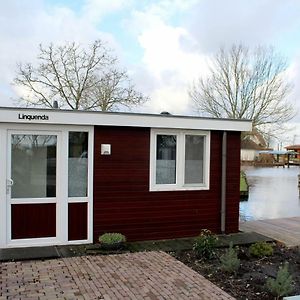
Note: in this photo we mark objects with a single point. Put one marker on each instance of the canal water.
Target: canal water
(273, 193)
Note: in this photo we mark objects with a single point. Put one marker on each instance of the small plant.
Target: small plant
(282, 285)
(261, 249)
(205, 243)
(112, 240)
(230, 262)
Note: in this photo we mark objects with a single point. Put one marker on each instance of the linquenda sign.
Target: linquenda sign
(33, 117)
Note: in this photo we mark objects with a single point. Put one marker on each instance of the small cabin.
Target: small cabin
(295, 149)
(67, 177)
(251, 144)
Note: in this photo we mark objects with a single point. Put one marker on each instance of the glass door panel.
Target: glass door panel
(78, 164)
(33, 166)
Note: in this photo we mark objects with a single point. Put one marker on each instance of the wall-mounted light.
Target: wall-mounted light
(105, 149)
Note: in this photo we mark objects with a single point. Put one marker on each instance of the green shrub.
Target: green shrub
(282, 285)
(229, 261)
(205, 243)
(261, 249)
(112, 238)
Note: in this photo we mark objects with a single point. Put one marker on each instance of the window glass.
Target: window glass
(166, 159)
(194, 145)
(33, 165)
(78, 164)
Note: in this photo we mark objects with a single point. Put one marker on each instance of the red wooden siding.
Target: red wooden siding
(77, 221)
(123, 203)
(233, 181)
(33, 220)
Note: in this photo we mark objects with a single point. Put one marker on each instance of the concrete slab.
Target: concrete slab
(284, 230)
(29, 253)
(243, 238)
(71, 250)
(238, 239)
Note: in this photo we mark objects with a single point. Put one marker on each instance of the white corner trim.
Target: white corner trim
(3, 154)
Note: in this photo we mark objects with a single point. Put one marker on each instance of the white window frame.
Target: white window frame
(180, 160)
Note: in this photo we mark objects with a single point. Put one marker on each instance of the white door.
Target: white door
(33, 187)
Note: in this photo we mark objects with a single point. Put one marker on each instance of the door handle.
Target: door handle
(9, 182)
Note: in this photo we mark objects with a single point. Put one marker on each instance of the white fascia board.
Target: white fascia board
(16, 115)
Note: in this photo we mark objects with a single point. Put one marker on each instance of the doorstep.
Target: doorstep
(28, 253)
(45, 252)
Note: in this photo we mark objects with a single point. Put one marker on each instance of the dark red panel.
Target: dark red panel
(123, 203)
(78, 221)
(233, 181)
(33, 220)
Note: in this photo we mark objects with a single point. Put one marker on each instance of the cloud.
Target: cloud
(216, 23)
(290, 136)
(95, 10)
(167, 56)
(293, 75)
(171, 99)
(177, 51)
(171, 66)
(26, 24)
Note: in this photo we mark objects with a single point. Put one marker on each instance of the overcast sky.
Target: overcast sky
(163, 44)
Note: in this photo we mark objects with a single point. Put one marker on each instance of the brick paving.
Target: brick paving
(143, 275)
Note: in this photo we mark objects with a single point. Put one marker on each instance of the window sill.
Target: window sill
(176, 188)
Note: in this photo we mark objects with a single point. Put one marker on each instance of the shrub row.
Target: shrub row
(204, 247)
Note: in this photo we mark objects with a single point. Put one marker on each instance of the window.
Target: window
(165, 159)
(179, 160)
(193, 167)
(78, 164)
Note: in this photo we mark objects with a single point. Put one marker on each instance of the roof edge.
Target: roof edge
(72, 117)
(120, 113)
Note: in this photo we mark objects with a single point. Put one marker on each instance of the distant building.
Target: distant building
(295, 148)
(251, 145)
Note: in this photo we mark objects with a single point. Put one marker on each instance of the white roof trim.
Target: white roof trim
(69, 117)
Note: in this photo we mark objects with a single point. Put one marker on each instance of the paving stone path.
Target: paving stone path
(143, 275)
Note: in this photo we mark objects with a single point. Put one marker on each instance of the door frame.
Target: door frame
(62, 200)
(3, 164)
(59, 182)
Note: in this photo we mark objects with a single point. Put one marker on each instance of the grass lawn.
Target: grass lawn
(244, 188)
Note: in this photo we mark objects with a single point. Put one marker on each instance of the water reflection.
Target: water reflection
(273, 193)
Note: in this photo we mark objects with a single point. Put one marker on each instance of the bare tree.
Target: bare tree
(77, 79)
(245, 84)
(115, 90)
